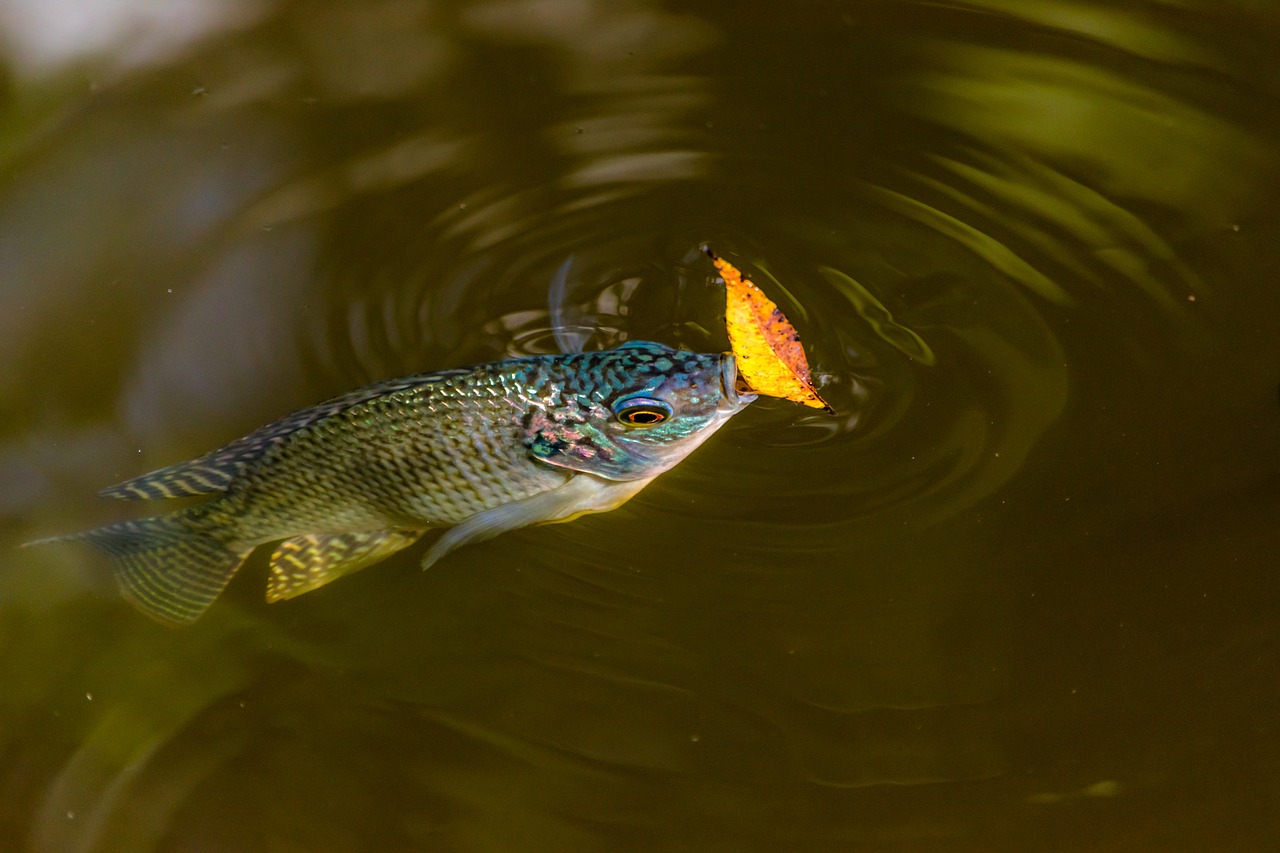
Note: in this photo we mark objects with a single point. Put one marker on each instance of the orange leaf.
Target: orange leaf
(771, 359)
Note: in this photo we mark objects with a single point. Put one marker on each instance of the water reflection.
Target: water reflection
(1008, 232)
(44, 38)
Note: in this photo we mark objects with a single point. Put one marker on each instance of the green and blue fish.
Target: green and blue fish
(478, 450)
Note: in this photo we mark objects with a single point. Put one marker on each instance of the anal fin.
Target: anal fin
(308, 562)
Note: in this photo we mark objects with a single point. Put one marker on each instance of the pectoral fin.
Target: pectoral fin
(308, 562)
(581, 494)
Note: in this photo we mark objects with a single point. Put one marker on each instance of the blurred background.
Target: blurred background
(1019, 594)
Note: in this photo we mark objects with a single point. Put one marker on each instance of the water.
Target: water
(1019, 594)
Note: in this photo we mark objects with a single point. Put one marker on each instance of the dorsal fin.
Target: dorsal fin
(214, 471)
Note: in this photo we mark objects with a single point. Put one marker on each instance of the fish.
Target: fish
(478, 451)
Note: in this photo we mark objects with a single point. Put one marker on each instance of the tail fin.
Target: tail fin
(169, 571)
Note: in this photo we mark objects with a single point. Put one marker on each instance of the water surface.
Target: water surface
(1019, 593)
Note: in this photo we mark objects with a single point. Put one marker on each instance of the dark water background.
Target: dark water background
(1020, 594)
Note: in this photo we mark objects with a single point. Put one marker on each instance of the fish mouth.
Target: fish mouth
(732, 387)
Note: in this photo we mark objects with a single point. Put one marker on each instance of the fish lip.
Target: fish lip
(729, 383)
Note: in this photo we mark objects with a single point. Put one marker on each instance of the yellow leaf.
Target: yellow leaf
(771, 359)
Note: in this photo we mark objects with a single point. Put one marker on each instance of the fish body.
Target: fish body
(478, 450)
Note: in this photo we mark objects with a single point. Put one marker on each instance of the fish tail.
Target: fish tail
(166, 568)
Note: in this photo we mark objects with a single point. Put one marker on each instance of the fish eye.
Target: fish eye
(641, 411)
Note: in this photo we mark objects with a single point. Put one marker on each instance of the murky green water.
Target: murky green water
(1021, 594)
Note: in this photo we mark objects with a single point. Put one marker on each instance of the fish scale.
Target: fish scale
(446, 482)
(477, 450)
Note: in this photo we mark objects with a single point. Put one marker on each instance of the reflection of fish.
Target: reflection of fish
(481, 450)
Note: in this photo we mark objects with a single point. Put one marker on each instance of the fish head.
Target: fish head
(634, 411)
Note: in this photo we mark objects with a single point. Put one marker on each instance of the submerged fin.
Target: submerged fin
(168, 571)
(304, 563)
(581, 494)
